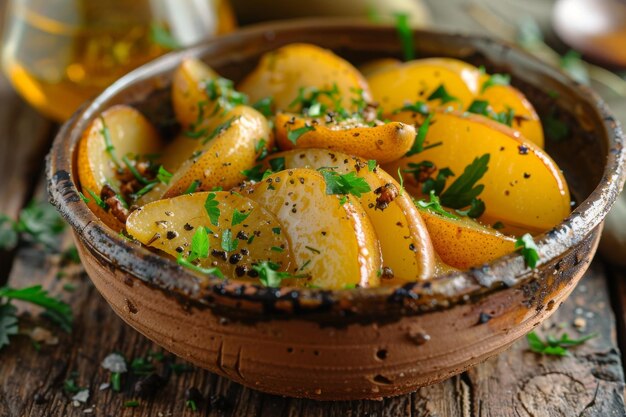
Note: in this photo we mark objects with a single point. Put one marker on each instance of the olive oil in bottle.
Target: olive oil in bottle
(59, 53)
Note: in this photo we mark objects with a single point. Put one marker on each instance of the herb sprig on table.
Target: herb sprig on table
(555, 346)
(55, 309)
(37, 223)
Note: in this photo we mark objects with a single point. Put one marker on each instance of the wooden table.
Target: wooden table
(518, 383)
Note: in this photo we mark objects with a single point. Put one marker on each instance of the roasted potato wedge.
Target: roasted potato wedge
(384, 143)
(332, 241)
(189, 98)
(416, 81)
(128, 133)
(501, 98)
(282, 73)
(462, 242)
(524, 187)
(218, 160)
(170, 225)
(404, 240)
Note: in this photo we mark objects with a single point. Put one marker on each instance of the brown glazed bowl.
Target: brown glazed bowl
(349, 344)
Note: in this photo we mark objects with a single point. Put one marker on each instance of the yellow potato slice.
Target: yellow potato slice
(384, 143)
(462, 243)
(415, 81)
(471, 75)
(219, 161)
(189, 96)
(404, 240)
(504, 97)
(130, 133)
(524, 187)
(332, 242)
(169, 225)
(283, 72)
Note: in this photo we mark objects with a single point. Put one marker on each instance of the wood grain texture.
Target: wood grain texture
(516, 383)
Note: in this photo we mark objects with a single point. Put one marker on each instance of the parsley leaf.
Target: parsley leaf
(219, 129)
(206, 271)
(442, 94)
(479, 107)
(164, 176)
(239, 217)
(98, 200)
(57, 310)
(8, 323)
(405, 34)
(529, 250)
(438, 183)
(496, 79)
(417, 107)
(229, 243)
(264, 106)
(555, 346)
(255, 173)
(199, 244)
(261, 149)
(40, 223)
(464, 190)
(371, 165)
(211, 205)
(192, 187)
(420, 137)
(505, 117)
(270, 276)
(222, 92)
(294, 135)
(477, 208)
(277, 164)
(434, 206)
(349, 183)
(159, 35)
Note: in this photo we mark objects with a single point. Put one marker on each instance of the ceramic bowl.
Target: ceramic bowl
(349, 344)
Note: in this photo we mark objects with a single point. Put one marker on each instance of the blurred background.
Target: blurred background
(58, 53)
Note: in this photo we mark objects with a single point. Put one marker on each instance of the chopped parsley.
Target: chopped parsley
(496, 79)
(160, 35)
(420, 137)
(464, 190)
(199, 245)
(277, 249)
(498, 225)
(206, 271)
(371, 165)
(345, 184)
(555, 346)
(164, 176)
(405, 34)
(211, 205)
(261, 149)
(529, 250)
(229, 243)
(505, 117)
(239, 217)
(294, 135)
(442, 94)
(276, 230)
(132, 404)
(219, 129)
(435, 206)
(264, 106)
(270, 276)
(438, 183)
(108, 143)
(222, 92)
(192, 187)
(477, 208)
(54, 309)
(417, 107)
(38, 222)
(277, 164)
(479, 107)
(256, 173)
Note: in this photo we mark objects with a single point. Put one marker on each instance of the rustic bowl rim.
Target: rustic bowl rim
(453, 288)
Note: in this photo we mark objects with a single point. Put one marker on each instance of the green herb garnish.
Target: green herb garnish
(464, 190)
(211, 206)
(442, 94)
(132, 404)
(434, 205)
(345, 184)
(496, 79)
(405, 34)
(277, 164)
(192, 187)
(229, 243)
(160, 35)
(264, 106)
(108, 143)
(418, 107)
(206, 271)
(420, 137)
(239, 217)
(371, 165)
(270, 276)
(529, 250)
(164, 176)
(199, 244)
(294, 135)
(555, 346)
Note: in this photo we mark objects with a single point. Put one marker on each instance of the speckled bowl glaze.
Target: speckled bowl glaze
(350, 344)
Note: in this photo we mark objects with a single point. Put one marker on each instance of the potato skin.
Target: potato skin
(465, 243)
(524, 187)
(404, 240)
(383, 143)
(222, 158)
(130, 133)
(282, 72)
(335, 243)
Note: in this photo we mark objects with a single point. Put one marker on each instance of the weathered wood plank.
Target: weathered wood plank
(517, 383)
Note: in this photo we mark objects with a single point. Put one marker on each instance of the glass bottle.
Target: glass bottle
(59, 53)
